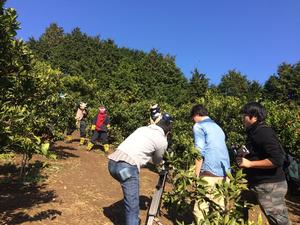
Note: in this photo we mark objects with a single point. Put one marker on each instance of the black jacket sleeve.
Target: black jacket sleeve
(271, 146)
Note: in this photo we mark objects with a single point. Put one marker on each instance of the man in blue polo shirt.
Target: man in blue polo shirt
(210, 141)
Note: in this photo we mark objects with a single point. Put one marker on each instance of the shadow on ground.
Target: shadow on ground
(293, 203)
(18, 195)
(61, 153)
(115, 212)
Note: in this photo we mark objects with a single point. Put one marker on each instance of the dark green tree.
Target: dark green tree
(284, 86)
(53, 35)
(234, 84)
(198, 85)
(105, 66)
(30, 111)
(48, 42)
(255, 91)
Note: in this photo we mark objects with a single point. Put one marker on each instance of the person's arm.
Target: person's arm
(158, 155)
(78, 115)
(274, 153)
(198, 165)
(272, 147)
(199, 138)
(93, 126)
(160, 151)
(258, 164)
(107, 121)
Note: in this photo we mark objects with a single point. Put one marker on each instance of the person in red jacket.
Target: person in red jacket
(101, 124)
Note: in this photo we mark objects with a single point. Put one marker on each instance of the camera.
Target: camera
(239, 153)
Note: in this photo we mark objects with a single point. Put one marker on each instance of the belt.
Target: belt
(208, 174)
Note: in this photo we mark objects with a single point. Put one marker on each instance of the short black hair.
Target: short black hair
(254, 109)
(198, 110)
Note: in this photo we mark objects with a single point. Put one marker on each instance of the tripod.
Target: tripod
(156, 199)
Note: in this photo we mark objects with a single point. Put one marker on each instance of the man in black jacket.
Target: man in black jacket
(263, 165)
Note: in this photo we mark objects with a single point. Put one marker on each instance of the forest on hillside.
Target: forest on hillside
(42, 80)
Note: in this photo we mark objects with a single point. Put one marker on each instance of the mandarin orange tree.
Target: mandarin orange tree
(30, 106)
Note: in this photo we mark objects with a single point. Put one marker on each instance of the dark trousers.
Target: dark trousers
(82, 128)
(102, 135)
(271, 198)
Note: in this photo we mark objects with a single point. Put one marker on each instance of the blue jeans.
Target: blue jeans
(128, 176)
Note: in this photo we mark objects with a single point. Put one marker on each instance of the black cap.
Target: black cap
(165, 122)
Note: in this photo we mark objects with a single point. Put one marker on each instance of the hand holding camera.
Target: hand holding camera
(240, 153)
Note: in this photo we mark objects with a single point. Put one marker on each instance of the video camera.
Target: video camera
(239, 153)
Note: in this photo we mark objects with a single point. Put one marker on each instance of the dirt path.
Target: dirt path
(78, 190)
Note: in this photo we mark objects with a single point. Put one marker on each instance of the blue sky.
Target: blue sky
(253, 37)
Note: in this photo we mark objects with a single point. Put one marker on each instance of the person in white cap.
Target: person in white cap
(81, 123)
(155, 114)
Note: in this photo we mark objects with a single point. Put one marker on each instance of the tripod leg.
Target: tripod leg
(155, 203)
(150, 220)
(157, 221)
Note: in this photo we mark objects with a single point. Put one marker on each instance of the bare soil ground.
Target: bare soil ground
(77, 190)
